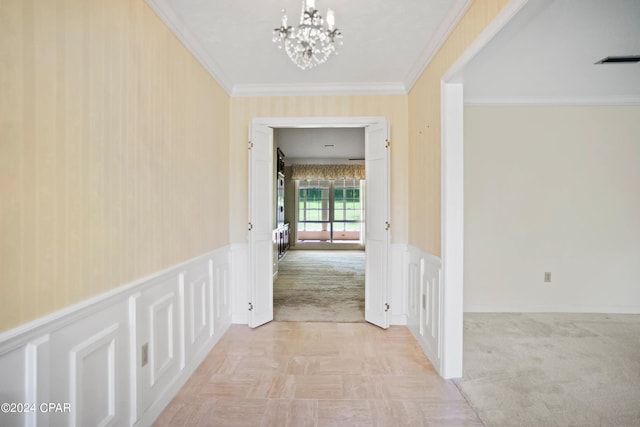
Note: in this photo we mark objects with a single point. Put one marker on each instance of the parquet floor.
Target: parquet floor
(317, 374)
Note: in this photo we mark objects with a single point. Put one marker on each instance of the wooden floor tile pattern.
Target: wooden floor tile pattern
(317, 374)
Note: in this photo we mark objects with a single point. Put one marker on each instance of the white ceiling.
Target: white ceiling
(386, 43)
(545, 54)
(310, 145)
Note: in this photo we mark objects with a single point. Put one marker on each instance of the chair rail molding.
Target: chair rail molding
(120, 357)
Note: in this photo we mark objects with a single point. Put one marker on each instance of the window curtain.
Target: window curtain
(329, 172)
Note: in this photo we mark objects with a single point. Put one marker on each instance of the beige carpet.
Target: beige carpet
(320, 286)
(553, 369)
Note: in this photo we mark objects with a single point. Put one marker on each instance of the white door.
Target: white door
(377, 218)
(261, 183)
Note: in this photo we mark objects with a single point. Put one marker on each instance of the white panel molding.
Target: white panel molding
(525, 308)
(183, 322)
(97, 345)
(133, 356)
(161, 322)
(319, 89)
(197, 308)
(103, 340)
(398, 279)
(424, 302)
(37, 384)
(182, 33)
(605, 101)
(30, 331)
(240, 283)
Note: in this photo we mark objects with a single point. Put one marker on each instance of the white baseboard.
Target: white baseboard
(89, 355)
(514, 308)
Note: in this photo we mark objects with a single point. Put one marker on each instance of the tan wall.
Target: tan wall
(113, 152)
(243, 110)
(425, 130)
(552, 189)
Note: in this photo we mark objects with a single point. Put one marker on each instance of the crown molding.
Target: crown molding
(559, 101)
(182, 33)
(319, 89)
(447, 25)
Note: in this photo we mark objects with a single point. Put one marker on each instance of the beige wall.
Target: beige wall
(425, 131)
(113, 152)
(552, 189)
(243, 110)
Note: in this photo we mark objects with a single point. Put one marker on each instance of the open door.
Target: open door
(378, 220)
(260, 225)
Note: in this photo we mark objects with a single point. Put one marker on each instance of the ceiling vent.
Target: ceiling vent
(329, 145)
(630, 59)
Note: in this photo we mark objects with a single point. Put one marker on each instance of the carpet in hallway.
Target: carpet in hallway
(320, 286)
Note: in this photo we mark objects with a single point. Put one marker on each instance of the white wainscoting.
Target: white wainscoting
(424, 302)
(90, 355)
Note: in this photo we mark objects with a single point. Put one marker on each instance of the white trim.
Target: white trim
(182, 33)
(424, 302)
(452, 197)
(133, 356)
(115, 325)
(504, 16)
(314, 122)
(511, 308)
(299, 122)
(452, 206)
(20, 335)
(240, 283)
(442, 33)
(319, 89)
(605, 101)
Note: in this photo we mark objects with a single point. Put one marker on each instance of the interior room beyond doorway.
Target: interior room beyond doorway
(322, 199)
(319, 199)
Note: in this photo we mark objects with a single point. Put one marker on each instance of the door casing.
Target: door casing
(312, 122)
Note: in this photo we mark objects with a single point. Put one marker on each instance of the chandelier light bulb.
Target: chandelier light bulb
(331, 19)
(311, 43)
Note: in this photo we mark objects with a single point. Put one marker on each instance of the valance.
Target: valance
(328, 172)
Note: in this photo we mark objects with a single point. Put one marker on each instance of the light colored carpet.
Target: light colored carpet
(552, 369)
(320, 286)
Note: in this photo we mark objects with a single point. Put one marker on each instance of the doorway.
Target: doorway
(320, 205)
(261, 209)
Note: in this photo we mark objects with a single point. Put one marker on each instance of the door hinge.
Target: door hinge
(387, 225)
(386, 307)
(250, 307)
(250, 145)
(387, 143)
(250, 226)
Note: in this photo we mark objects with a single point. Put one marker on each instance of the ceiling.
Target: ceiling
(321, 145)
(545, 54)
(386, 43)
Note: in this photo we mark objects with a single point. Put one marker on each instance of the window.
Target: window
(329, 211)
(313, 205)
(346, 205)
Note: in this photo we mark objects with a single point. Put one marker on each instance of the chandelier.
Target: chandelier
(311, 43)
